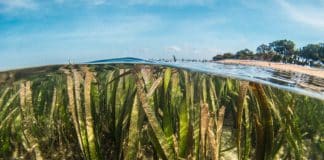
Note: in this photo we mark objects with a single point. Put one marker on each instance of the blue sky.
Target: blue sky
(39, 32)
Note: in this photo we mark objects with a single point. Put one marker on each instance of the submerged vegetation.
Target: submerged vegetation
(153, 112)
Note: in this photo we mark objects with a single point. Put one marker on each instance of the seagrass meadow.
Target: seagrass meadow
(134, 111)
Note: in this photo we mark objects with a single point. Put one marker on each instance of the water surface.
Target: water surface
(291, 81)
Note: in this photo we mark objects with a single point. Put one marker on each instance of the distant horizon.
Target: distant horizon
(94, 61)
(83, 60)
(35, 32)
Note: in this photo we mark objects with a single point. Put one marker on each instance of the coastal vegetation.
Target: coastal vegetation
(126, 111)
(281, 51)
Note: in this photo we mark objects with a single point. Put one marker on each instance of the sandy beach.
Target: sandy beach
(279, 66)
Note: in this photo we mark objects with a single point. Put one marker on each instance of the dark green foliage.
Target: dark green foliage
(263, 49)
(281, 51)
(283, 47)
(244, 54)
(313, 51)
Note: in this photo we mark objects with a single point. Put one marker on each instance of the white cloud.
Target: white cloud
(190, 50)
(9, 5)
(14, 5)
(309, 15)
(99, 32)
(173, 49)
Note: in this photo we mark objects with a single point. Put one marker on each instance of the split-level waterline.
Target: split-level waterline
(142, 111)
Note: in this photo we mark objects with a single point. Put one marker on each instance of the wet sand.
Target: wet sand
(279, 66)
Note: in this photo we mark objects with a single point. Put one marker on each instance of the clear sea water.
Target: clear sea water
(40, 100)
(294, 82)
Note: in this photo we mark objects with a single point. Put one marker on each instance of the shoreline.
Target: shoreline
(278, 66)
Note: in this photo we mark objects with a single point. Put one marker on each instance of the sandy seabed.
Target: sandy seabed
(279, 66)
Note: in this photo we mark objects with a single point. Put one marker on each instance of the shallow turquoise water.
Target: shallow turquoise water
(295, 82)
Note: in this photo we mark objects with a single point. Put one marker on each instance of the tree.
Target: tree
(321, 51)
(228, 55)
(283, 47)
(281, 51)
(312, 51)
(263, 49)
(276, 58)
(244, 54)
(218, 57)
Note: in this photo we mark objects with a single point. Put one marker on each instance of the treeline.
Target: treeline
(281, 51)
